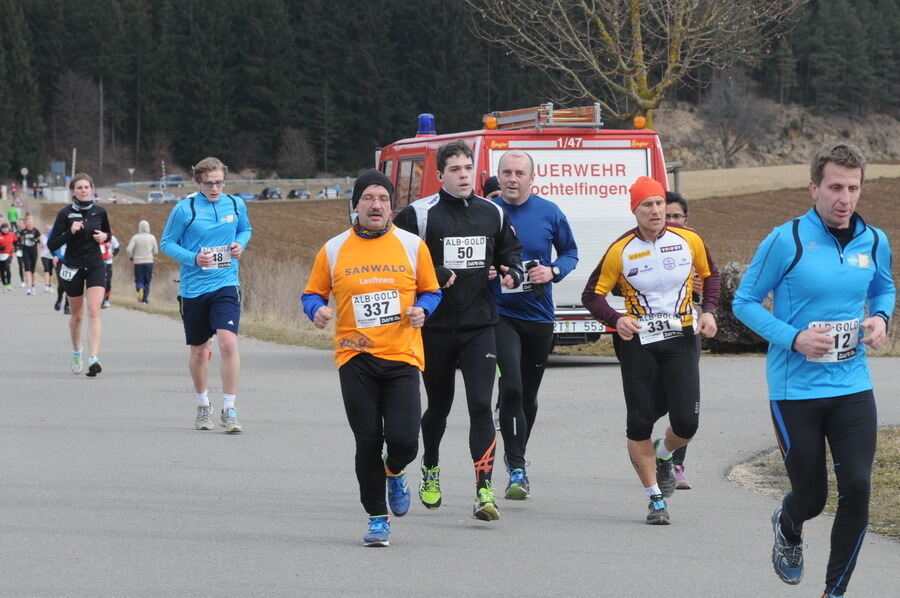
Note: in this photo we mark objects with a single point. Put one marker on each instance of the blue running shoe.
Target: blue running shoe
(827, 595)
(379, 531)
(787, 558)
(517, 488)
(398, 494)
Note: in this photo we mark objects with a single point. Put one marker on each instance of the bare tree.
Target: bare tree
(626, 54)
(76, 112)
(736, 116)
(296, 158)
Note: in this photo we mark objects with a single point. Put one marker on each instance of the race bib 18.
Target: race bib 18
(221, 257)
(462, 253)
(846, 337)
(376, 309)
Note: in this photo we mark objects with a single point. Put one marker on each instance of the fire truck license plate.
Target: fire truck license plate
(562, 326)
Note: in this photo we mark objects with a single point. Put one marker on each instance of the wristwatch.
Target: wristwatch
(556, 272)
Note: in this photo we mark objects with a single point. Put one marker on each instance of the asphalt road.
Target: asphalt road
(107, 489)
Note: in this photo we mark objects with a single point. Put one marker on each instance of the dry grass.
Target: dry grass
(765, 473)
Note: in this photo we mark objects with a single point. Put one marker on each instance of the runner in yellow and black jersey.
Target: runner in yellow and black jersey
(653, 266)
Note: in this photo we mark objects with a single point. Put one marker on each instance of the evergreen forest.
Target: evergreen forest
(305, 86)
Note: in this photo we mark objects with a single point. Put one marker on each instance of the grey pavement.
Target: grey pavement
(107, 490)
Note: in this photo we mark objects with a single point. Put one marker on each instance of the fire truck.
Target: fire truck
(585, 169)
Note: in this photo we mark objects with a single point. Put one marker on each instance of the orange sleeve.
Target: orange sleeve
(320, 276)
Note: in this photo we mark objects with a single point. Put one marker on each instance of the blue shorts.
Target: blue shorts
(204, 314)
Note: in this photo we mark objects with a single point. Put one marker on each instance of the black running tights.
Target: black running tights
(383, 406)
(849, 424)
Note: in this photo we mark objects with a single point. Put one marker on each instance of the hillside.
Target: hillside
(798, 133)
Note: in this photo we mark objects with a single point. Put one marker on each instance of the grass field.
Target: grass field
(765, 473)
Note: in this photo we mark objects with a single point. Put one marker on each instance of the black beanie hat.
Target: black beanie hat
(370, 177)
(490, 185)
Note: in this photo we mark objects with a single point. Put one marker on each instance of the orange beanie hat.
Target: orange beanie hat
(643, 188)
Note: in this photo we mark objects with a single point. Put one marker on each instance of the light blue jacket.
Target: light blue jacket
(196, 222)
(814, 279)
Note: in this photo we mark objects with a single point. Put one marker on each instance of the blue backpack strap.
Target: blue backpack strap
(798, 243)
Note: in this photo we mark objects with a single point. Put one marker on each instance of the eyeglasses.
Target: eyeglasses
(213, 183)
(676, 217)
(374, 198)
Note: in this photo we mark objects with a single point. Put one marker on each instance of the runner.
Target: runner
(8, 240)
(677, 212)
(384, 285)
(46, 260)
(653, 266)
(525, 330)
(29, 239)
(826, 268)
(141, 250)
(109, 249)
(206, 233)
(465, 234)
(81, 227)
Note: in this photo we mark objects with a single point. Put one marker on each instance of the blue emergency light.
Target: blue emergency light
(426, 125)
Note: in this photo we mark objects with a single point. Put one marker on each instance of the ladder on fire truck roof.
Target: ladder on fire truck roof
(545, 116)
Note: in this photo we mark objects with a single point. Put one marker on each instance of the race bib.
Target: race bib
(658, 327)
(376, 309)
(463, 253)
(846, 337)
(221, 257)
(67, 273)
(525, 287)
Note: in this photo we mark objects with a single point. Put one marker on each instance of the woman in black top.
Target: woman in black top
(81, 227)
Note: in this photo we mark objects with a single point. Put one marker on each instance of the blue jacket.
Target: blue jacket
(815, 280)
(541, 226)
(209, 224)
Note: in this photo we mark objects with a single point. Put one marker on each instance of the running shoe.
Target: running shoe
(48, 289)
(230, 421)
(430, 487)
(517, 488)
(28, 291)
(203, 420)
(681, 481)
(398, 494)
(7, 288)
(94, 367)
(827, 595)
(140, 295)
(67, 310)
(665, 473)
(485, 504)
(22, 285)
(379, 532)
(787, 558)
(105, 304)
(77, 364)
(57, 306)
(497, 417)
(657, 514)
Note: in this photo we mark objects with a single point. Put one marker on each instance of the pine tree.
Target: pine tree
(28, 126)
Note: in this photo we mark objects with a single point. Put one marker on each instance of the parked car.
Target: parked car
(171, 197)
(171, 180)
(245, 195)
(298, 194)
(155, 197)
(327, 193)
(269, 193)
